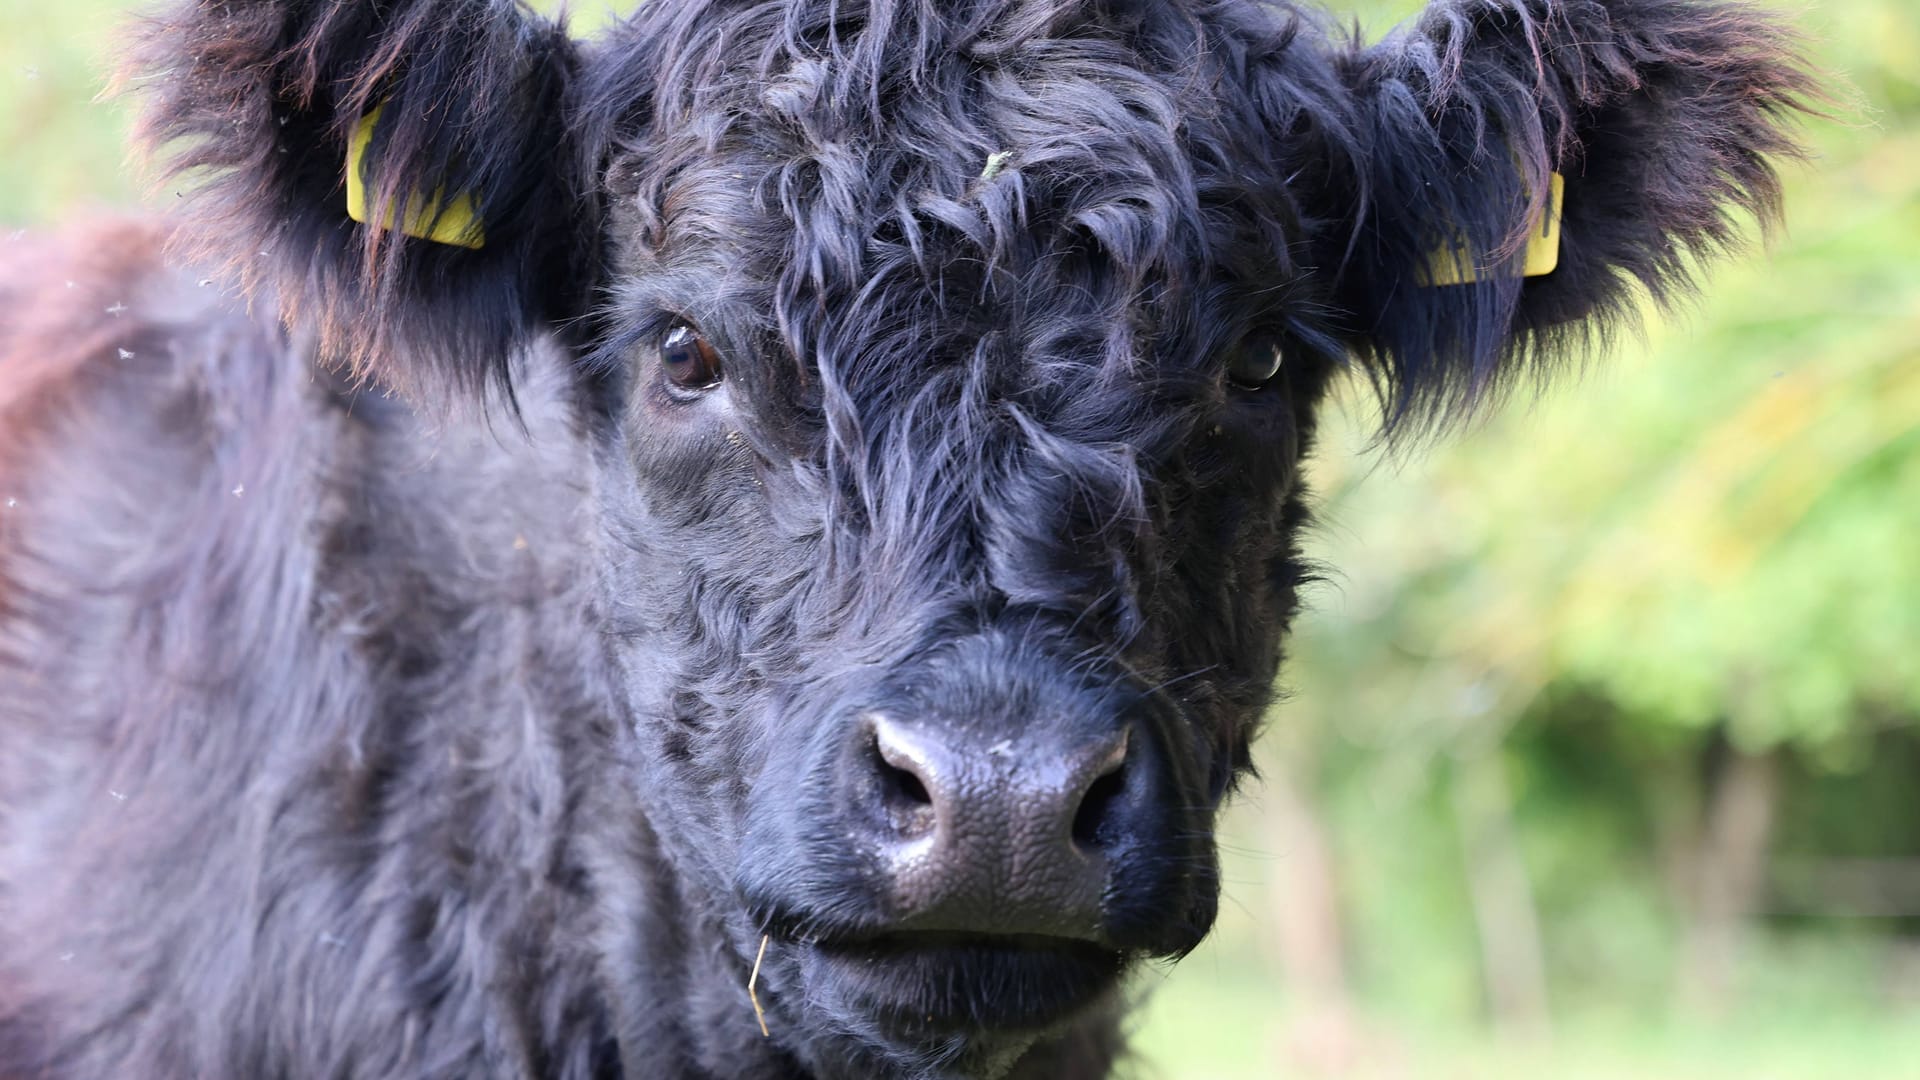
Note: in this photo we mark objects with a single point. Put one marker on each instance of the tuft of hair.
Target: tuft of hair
(252, 103)
(1666, 118)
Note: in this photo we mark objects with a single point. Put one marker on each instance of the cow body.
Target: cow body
(318, 671)
(832, 534)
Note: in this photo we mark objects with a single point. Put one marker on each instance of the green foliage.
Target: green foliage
(64, 149)
(1715, 529)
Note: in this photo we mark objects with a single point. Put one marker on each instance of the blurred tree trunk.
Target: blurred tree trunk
(1726, 870)
(1305, 914)
(1512, 959)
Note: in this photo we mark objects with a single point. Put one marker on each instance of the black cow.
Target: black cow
(791, 506)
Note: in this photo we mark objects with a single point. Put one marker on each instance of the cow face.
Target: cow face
(949, 369)
(956, 436)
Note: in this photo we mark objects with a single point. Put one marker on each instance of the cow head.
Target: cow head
(949, 367)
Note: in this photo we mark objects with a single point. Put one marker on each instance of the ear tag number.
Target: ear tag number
(436, 218)
(1453, 265)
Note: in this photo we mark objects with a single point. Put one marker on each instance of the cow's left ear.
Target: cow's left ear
(471, 185)
(1656, 123)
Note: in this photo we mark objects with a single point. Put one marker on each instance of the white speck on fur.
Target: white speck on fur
(239, 490)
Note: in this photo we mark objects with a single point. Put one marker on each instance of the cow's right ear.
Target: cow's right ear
(454, 114)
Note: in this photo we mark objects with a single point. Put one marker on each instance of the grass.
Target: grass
(1221, 1016)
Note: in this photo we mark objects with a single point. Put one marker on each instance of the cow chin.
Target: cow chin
(971, 1003)
(966, 984)
(966, 1003)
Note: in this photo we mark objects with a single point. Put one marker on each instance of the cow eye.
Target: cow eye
(688, 360)
(1254, 366)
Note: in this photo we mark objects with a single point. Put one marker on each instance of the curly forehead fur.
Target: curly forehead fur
(405, 674)
(966, 241)
(1068, 211)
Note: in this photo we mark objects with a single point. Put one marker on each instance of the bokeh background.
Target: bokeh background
(1601, 749)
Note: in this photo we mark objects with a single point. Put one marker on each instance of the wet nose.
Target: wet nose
(985, 831)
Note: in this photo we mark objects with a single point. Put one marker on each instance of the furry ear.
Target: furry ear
(260, 101)
(1665, 118)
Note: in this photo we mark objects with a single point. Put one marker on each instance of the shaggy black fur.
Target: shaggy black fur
(487, 731)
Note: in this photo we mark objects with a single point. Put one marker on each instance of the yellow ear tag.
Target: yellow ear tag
(453, 222)
(1453, 266)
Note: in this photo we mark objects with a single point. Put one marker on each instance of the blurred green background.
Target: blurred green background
(1601, 752)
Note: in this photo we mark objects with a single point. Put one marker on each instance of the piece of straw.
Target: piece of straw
(758, 1013)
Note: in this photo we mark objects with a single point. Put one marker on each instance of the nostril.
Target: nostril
(903, 778)
(902, 786)
(1089, 823)
(1095, 813)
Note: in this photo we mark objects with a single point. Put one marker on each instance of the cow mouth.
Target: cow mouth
(932, 984)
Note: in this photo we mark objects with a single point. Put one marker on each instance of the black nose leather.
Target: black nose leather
(1001, 828)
